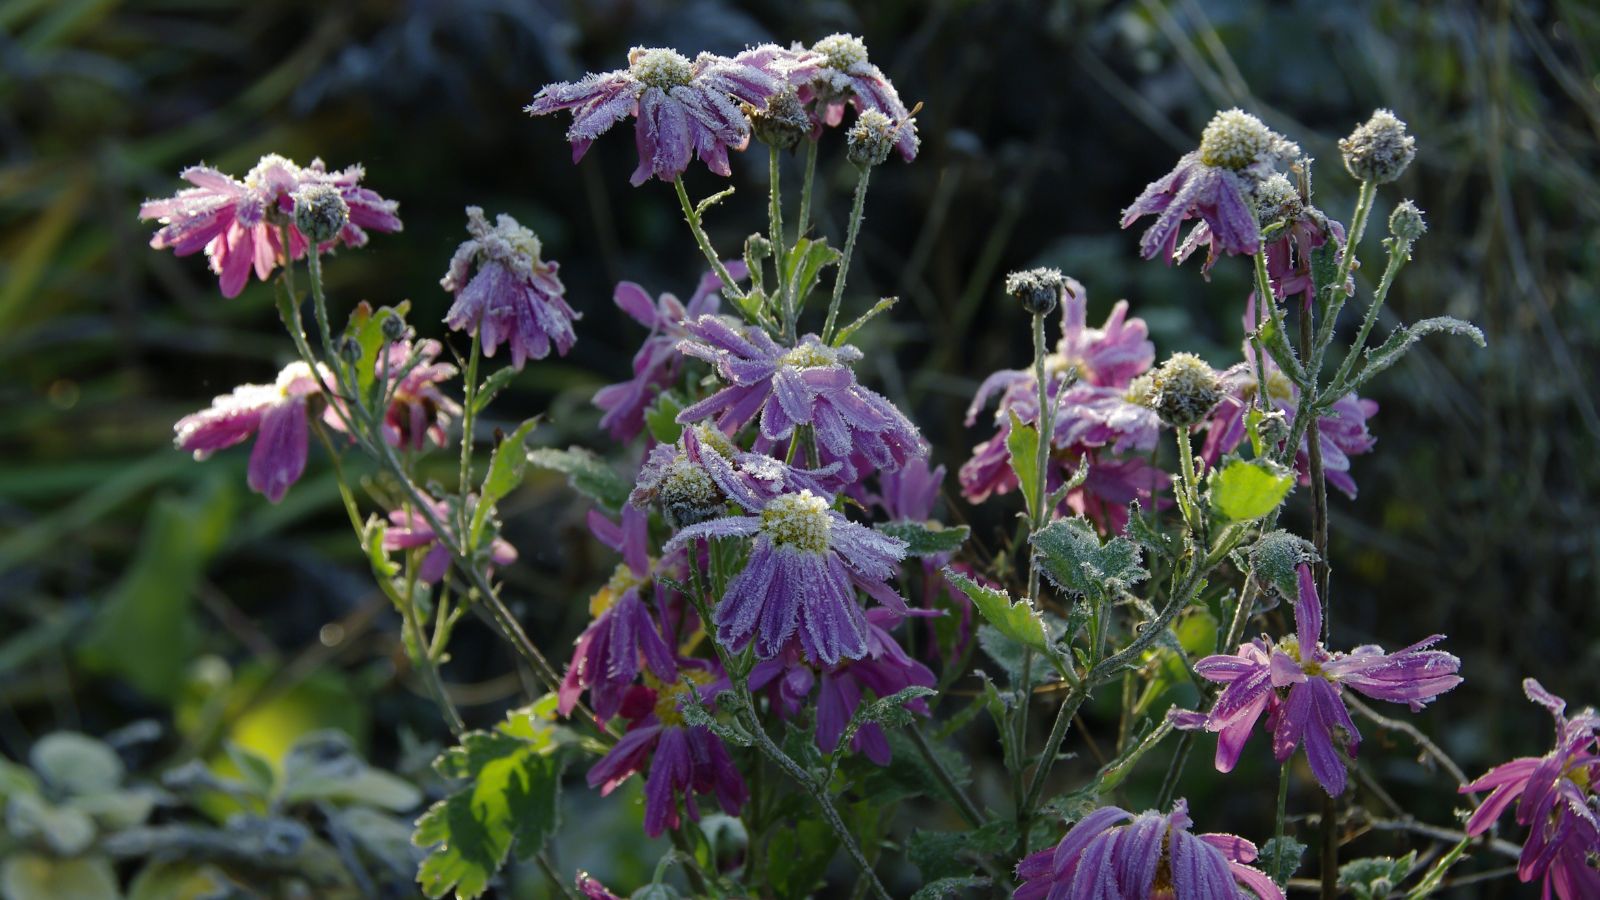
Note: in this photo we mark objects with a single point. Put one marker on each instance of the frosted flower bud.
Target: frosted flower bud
(870, 139)
(1378, 150)
(1038, 290)
(1273, 428)
(1184, 390)
(1406, 222)
(688, 495)
(1276, 199)
(660, 67)
(394, 328)
(1234, 139)
(320, 212)
(783, 122)
(1276, 558)
(350, 350)
(1140, 390)
(798, 520)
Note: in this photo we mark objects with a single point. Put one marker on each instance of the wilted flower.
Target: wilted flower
(1297, 683)
(885, 670)
(1555, 797)
(1115, 855)
(697, 478)
(1289, 253)
(238, 223)
(409, 530)
(836, 71)
(1379, 150)
(514, 297)
(275, 414)
(801, 577)
(683, 108)
(418, 411)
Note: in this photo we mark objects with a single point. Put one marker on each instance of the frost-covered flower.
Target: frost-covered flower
(276, 414)
(804, 567)
(696, 478)
(885, 670)
(657, 364)
(514, 297)
(1298, 684)
(683, 108)
(606, 657)
(1556, 799)
(418, 411)
(836, 72)
(409, 530)
(1214, 184)
(1111, 854)
(238, 223)
(810, 384)
(1289, 252)
(683, 760)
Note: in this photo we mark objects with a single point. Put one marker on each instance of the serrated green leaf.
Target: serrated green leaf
(1070, 554)
(587, 473)
(662, 418)
(926, 538)
(1018, 620)
(1244, 490)
(940, 855)
(1403, 339)
(797, 858)
(1280, 858)
(365, 327)
(1022, 443)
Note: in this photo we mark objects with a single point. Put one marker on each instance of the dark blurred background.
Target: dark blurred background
(135, 583)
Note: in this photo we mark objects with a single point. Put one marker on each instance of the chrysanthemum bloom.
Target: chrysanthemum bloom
(1111, 854)
(1214, 184)
(238, 222)
(836, 72)
(409, 530)
(683, 760)
(418, 411)
(1556, 799)
(683, 109)
(801, 577)
(514, 297)
(1297, 682)
(811, 384)
(695, 479)
(606, 658)
(277, 415)
(885, 670)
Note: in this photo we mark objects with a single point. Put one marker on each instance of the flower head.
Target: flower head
(1111, 853)
(1038, 290)
(697, 478)
(409, 529)
(275, 414)
(683, 108)
(418, 411)
(1556, 799)
(1184, 390)
(885, 670)
(514, 297)
(1379, 150)
(1298, 684)
(836, 72)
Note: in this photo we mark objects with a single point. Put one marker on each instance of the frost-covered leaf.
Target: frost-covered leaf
(1375, 877)
(1070, 554)
(178, 879)
(927, 538)
(954, 886)
(804, 264)
(65, 830)
(77, 763)
(1282, 352)
(1280, 858)
(661, 418)
(1404, 338)
(507, 466)
(1016, 620)
(797, 858)
(588, 474)
(491, 388)
(1022, 443)
(324, 765)
(1244, 490)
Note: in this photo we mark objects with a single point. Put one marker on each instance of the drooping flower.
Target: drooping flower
(1290, 251)
(238, 223)
(805, 564)
(696, 478)
(683, 760)
(1556, 799)
(657, 364)
(836, 72)
(811, 384)
(683, 109)
(606, 657)
(418, 411)
(1298, 684)
(1214, 184)
(1111, 854)
(885, 670)
(276, 414)
(514, 297)
(409, 529)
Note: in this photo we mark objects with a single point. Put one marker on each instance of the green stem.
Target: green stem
(1277, 833)
(1188, 500)
(856, 209)
(1399, 254)
(704, 242)
(804, 223)
(1336, 292)
(468, 425)
(775, 225)
(1040, 515)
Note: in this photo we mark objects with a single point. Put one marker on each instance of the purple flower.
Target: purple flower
(885, 670)
(275, 414)
(1215, 184)
(1556, 800)
(836, 71)
(1297, 682)
(696, 478)
(590, 887)
(1289, 253)
(605, 660)
(683, 109)
(683, 760)
(811, 384)
(409, 530)
(418, 411)
(801, 577)
(1111, 854)
(514, 297)
(238, 222)
(657, 364)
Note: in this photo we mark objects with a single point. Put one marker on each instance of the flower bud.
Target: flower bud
(1184, 390)
(1275, 559)
(871, 138)
(394, 328)
(783, 122)
(350, 350)
(1276, 199)
(1379, 150)
(320, 212)
(688, 496)
(1038, 290)
(1273, 428)
(1406, 222)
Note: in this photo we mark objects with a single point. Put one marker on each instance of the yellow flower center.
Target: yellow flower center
(660, 67)
(1234, 139)
(808, 356)
(842, 50)
(668, 695)
(798, 520)
(622, 578)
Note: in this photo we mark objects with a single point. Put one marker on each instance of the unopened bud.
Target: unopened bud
(783, 122)
(394, 327)
(350, 350)
(1184, 390)
(1038, 290)
(688, 496)
(1379, 150)
(1275, 559)
(1277, 199)
(1406, 222)
(871, 139)
(320, 212)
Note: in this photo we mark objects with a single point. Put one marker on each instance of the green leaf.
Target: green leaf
(847, 332)
(365, 327)
(954, 886)
(1196, 633)
(797, 858)
(77, 763)
(908, 774)
(1070, 554)
(662, 418)
(1018, 621)
(1375, 877)
(1282, 352)
(804, 264)
(587, 473)
(1022, 443)
(65, 830)
(31, 876)
(1392, 350)
(1280, 858)
(324, 765)
(940, 855)
(507, 466)
(926, 538)
(1244, 490)
(177, 879)
(491, 388)
(509, 797)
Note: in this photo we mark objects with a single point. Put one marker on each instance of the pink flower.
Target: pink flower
(514, 297)
(418, 411)
(409, 530)
(836, 72)
(885, 670)
(275, 414)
